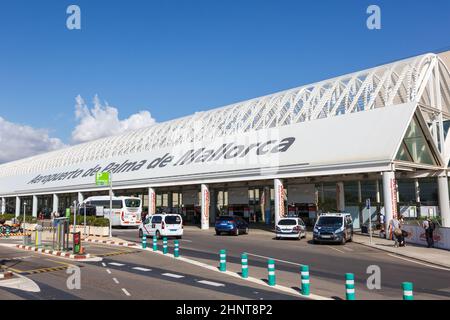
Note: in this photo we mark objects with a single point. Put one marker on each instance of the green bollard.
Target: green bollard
(155, 243)
(165, 245)
(244, 262)
(305, 280)
(223, 260)
(407, 291)
(176, 250)
(144, 241)
(350, 286)
(271, 268)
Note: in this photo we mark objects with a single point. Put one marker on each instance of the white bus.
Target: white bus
(126, 211)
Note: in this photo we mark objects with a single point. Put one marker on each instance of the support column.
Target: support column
(444, 206)
(3, 209)
(213, 205)
(359, 192)
(340, 196)
(151, 201)
(17, 207)
(205, 207)
(55, 203)
(377, 186)
(417, 190)
(279, 200)
(390, 198)
(80, 197)
(35, 206)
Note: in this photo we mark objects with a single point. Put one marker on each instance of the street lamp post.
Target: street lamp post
(23, 227)
(84, 205)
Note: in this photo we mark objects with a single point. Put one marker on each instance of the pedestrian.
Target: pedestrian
(429, 226)
(395, 231)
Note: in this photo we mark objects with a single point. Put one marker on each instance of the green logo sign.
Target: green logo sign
(67, 212)
(102, 178)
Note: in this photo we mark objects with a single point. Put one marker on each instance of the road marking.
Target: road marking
(109, 271)
(115, 280)
(348, 249)
(284, 261)
(177, 276)
(186, 240)
(126, 292)
(141, 269)
(417, 262)
(210, 283)
(335, 249)
(116, 264)
(103, 264)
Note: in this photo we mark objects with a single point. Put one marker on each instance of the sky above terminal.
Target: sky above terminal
(137, 62)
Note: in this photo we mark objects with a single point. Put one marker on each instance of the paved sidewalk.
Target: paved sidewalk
(431, 255)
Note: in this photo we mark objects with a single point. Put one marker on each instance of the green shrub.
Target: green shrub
(7, 216)
(91, 221)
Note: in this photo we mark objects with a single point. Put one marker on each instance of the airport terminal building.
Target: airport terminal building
(380, 134)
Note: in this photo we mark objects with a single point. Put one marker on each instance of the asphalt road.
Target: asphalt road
(126, 273)
(328, 263)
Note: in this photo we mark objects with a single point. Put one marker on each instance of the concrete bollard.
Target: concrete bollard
(155, 243)
(144, 241)
(350, 286)
(244, 262)
(165, 245)
(271, 268)
(223, 260)
(304, 272)
(176, 250)
(407, 291)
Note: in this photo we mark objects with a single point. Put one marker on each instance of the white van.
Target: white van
(126, 211)
(162, 225)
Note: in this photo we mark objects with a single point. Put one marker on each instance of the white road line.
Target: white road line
(417, 262)
(177, 276)
(115, 280)
(186, 240)
(348, 249)
(141, 269)
(109, 271)
(284, 261)
(116, 264)
(210, 283)
(335, 249)
(126, 292)
(103, 264)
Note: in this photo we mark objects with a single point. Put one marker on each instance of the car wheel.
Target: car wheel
(343, 241)
(217, 233)
(314, 241)
(236, 232)
(277, 238)
(179, 237)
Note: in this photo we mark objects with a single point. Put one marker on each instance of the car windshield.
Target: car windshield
(173, 220)
(132, 203)
(287, 222)
(225, 218)
(329, 221)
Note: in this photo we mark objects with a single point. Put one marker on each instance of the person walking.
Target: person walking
(428, 225)
(396, 231)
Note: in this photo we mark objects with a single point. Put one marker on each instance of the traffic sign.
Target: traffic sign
(102, 178)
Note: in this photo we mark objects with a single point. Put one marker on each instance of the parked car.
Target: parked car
(290, 228)
(231, 224)
(333, 227)
(162, 225)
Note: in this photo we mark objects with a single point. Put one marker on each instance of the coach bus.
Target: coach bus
(126, 211)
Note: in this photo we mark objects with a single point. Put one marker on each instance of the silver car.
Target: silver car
(290, 228)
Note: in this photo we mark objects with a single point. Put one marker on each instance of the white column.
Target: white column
(279, 200)
(55, 203)
(340, 195)
(151, 201)
(205, 207)
(417, 190)
(3, 210)
(35, 206)
(377, 185)
(389, 197)
(80, 197)
(444, 207)
(17, 207)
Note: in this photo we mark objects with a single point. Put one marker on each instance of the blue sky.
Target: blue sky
(173, 58)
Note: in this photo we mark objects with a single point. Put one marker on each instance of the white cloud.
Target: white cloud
(103, 121)
(19, 141)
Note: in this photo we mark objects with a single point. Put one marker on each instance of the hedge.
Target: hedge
(91, 221)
